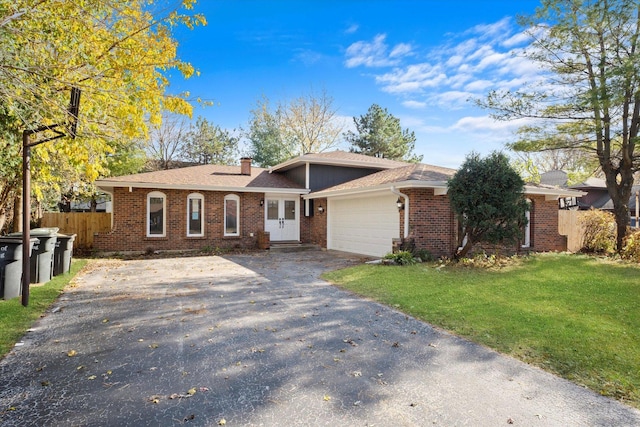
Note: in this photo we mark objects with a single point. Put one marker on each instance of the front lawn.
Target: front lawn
(573, 315)
(16, 319)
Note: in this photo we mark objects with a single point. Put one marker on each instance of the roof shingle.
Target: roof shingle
(205, 176)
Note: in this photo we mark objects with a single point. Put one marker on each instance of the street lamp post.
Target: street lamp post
(74, 108)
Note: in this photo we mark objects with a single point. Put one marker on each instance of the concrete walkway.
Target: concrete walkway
(259, 340)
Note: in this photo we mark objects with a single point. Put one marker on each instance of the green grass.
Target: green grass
(16, 319)
(573, 315)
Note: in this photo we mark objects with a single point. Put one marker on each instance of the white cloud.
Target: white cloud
(496, 29)
(467, 65)
(413, 78)
(308, 57)
(400, 50)
(517, 39)
(495, 129)
(452, 100)
(375, 53)
(353, 28)
(416, 105)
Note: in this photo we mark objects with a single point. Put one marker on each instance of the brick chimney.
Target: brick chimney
(245, 166)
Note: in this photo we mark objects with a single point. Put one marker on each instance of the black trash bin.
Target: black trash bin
(63, 253)
(11, 266)
(41, 262)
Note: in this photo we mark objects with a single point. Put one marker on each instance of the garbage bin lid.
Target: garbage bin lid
(45, 231)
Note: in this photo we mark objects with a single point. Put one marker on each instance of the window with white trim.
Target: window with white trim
(231, 215)
(195, 215)
(156, 214)
(526, 233)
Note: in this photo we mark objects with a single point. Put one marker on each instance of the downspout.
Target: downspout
(406, 210)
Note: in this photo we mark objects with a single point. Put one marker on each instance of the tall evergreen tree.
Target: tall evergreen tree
(380, 135)
(210, 144)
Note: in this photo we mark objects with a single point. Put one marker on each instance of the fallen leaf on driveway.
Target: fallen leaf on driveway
(72, 353)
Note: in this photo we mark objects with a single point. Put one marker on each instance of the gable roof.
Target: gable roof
(338, 158)
(206, 177)
(410, 175)
(556, 178)
(420, 175)
(595, 183)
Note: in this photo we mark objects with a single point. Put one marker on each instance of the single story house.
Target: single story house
(338, 200)
(595, 193)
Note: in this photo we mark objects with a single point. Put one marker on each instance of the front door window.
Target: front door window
(273, 207)
(290, 209)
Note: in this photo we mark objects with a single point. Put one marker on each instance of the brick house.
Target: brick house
(338, 200)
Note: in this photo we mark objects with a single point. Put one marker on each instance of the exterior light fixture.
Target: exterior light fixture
(261, 202)
(400, 204)
(320, 209)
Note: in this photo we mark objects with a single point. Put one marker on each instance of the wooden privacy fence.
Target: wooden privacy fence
(569, 225)
(83, 224)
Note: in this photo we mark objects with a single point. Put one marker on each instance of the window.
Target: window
(231, 215)
(526, 237)
(156, 214)
(195, 215)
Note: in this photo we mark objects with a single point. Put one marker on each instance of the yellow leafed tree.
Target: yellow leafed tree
(119, 53)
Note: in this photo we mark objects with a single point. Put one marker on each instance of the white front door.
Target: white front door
(282, 218)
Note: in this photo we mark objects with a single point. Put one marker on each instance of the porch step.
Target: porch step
(292, 247)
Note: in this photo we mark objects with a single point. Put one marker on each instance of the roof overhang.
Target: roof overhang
(439, 189)
(301, 161)
(552, 193)
(108, 186)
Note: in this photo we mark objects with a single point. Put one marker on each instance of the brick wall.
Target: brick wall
(431, 221)
(433, 226)
(544, 226)
(318, 224)
(130, 222)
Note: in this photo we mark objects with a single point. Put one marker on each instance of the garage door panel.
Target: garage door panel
(365, 225)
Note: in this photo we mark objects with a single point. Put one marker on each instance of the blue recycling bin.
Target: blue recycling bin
(11, 266)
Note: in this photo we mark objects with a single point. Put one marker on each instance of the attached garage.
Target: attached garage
(363, 224)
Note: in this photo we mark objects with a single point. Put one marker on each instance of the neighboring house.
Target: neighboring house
(597, 197)
(338, 200)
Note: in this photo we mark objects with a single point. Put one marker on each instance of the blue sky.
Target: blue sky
(422, 60)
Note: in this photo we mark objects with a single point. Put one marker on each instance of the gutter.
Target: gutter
(406, 209)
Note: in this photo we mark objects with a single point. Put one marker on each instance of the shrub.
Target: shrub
(631, 246)
(401, 257)
(424, 255)
(599, 231)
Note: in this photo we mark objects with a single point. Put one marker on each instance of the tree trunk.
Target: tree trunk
(620, 192)
(621, 213)
(458, 254)
(17, 214)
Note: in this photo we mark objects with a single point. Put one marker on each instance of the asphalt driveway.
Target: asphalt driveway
(260, 340)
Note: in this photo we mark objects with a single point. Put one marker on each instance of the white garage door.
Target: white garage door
(363, 225)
